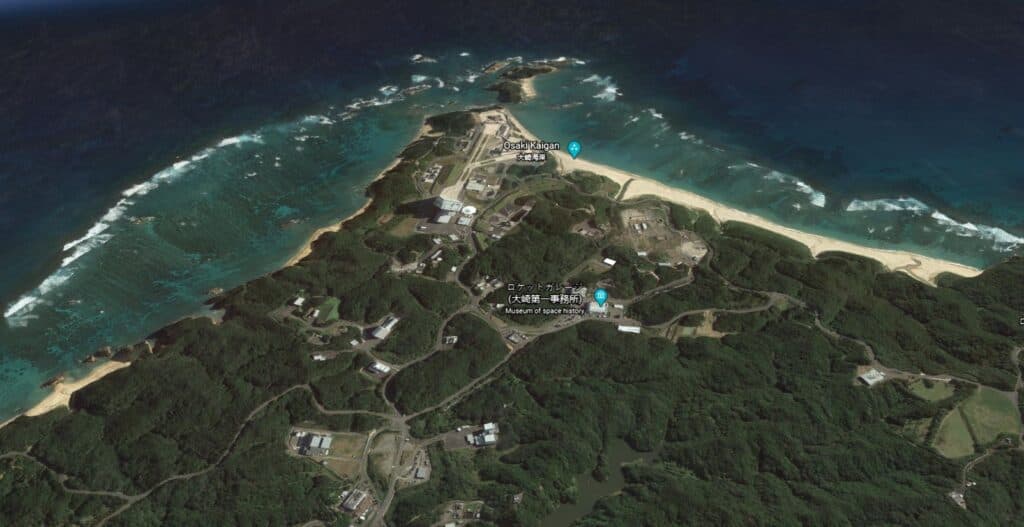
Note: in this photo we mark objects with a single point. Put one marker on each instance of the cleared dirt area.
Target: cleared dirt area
(647, 230)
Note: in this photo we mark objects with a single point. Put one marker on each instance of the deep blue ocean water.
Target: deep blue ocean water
(143, 167)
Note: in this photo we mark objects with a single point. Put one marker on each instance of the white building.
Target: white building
(871, 377)
(383, 330)
(609, 262)
(448, 205)
(630, 329)
(380, 368)
(299, 301)
(597, 309)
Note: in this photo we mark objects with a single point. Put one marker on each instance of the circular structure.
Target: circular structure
(469, 210)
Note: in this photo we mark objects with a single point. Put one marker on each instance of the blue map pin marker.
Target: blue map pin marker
(574, 148)
(600, 296)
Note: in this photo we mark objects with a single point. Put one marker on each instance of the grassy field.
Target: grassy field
(953, 439)
(345, 468)
(348, 445)
(404, 228)
(937, 391)
(990, 414)
(328, 310)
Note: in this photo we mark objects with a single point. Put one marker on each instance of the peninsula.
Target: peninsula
(441, 358)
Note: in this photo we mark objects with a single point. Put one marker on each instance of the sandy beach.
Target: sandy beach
(61, 394)
(923, 268)
(529, 90)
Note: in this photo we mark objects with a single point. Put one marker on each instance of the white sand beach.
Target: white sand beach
(60, 397)
(923, 268)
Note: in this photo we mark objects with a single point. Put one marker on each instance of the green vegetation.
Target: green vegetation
(454, 123)
(508, 91)
(540, 250)
(931, 390)
(958, 329)
(526, 71)
(761, 426)
(478, 349)
(589, 183)
(954, 438)
(631, 274)
(990, 414)
(328, 310)
(735, 423)
(706, 291)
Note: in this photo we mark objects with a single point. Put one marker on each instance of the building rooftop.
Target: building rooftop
(871, 377)
(448, 201)
(380, 367)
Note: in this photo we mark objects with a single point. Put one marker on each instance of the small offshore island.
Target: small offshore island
(436, 360)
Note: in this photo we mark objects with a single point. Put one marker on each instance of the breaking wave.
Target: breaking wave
(816, 198)
(240, 139)
(609, 91)
(1002, 240)
(888, 205)
(317, 119)
(19, 312)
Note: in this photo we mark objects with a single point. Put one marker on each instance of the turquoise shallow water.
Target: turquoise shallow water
(240, 206)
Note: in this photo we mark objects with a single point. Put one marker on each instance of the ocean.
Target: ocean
(126, 201)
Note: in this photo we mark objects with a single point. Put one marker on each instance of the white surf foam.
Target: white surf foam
(318, 119)
(1001, 240)
(19, 312)
(240, 139)
(388, 90)
(610, 91)
(464, 54)
(888, 205)
(816, 198)
(654, 113)
(420, 58)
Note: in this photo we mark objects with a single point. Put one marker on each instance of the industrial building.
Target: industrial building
(871, 377)
(448, 205)
(382, 331)
(379, 368)
(485, 437)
